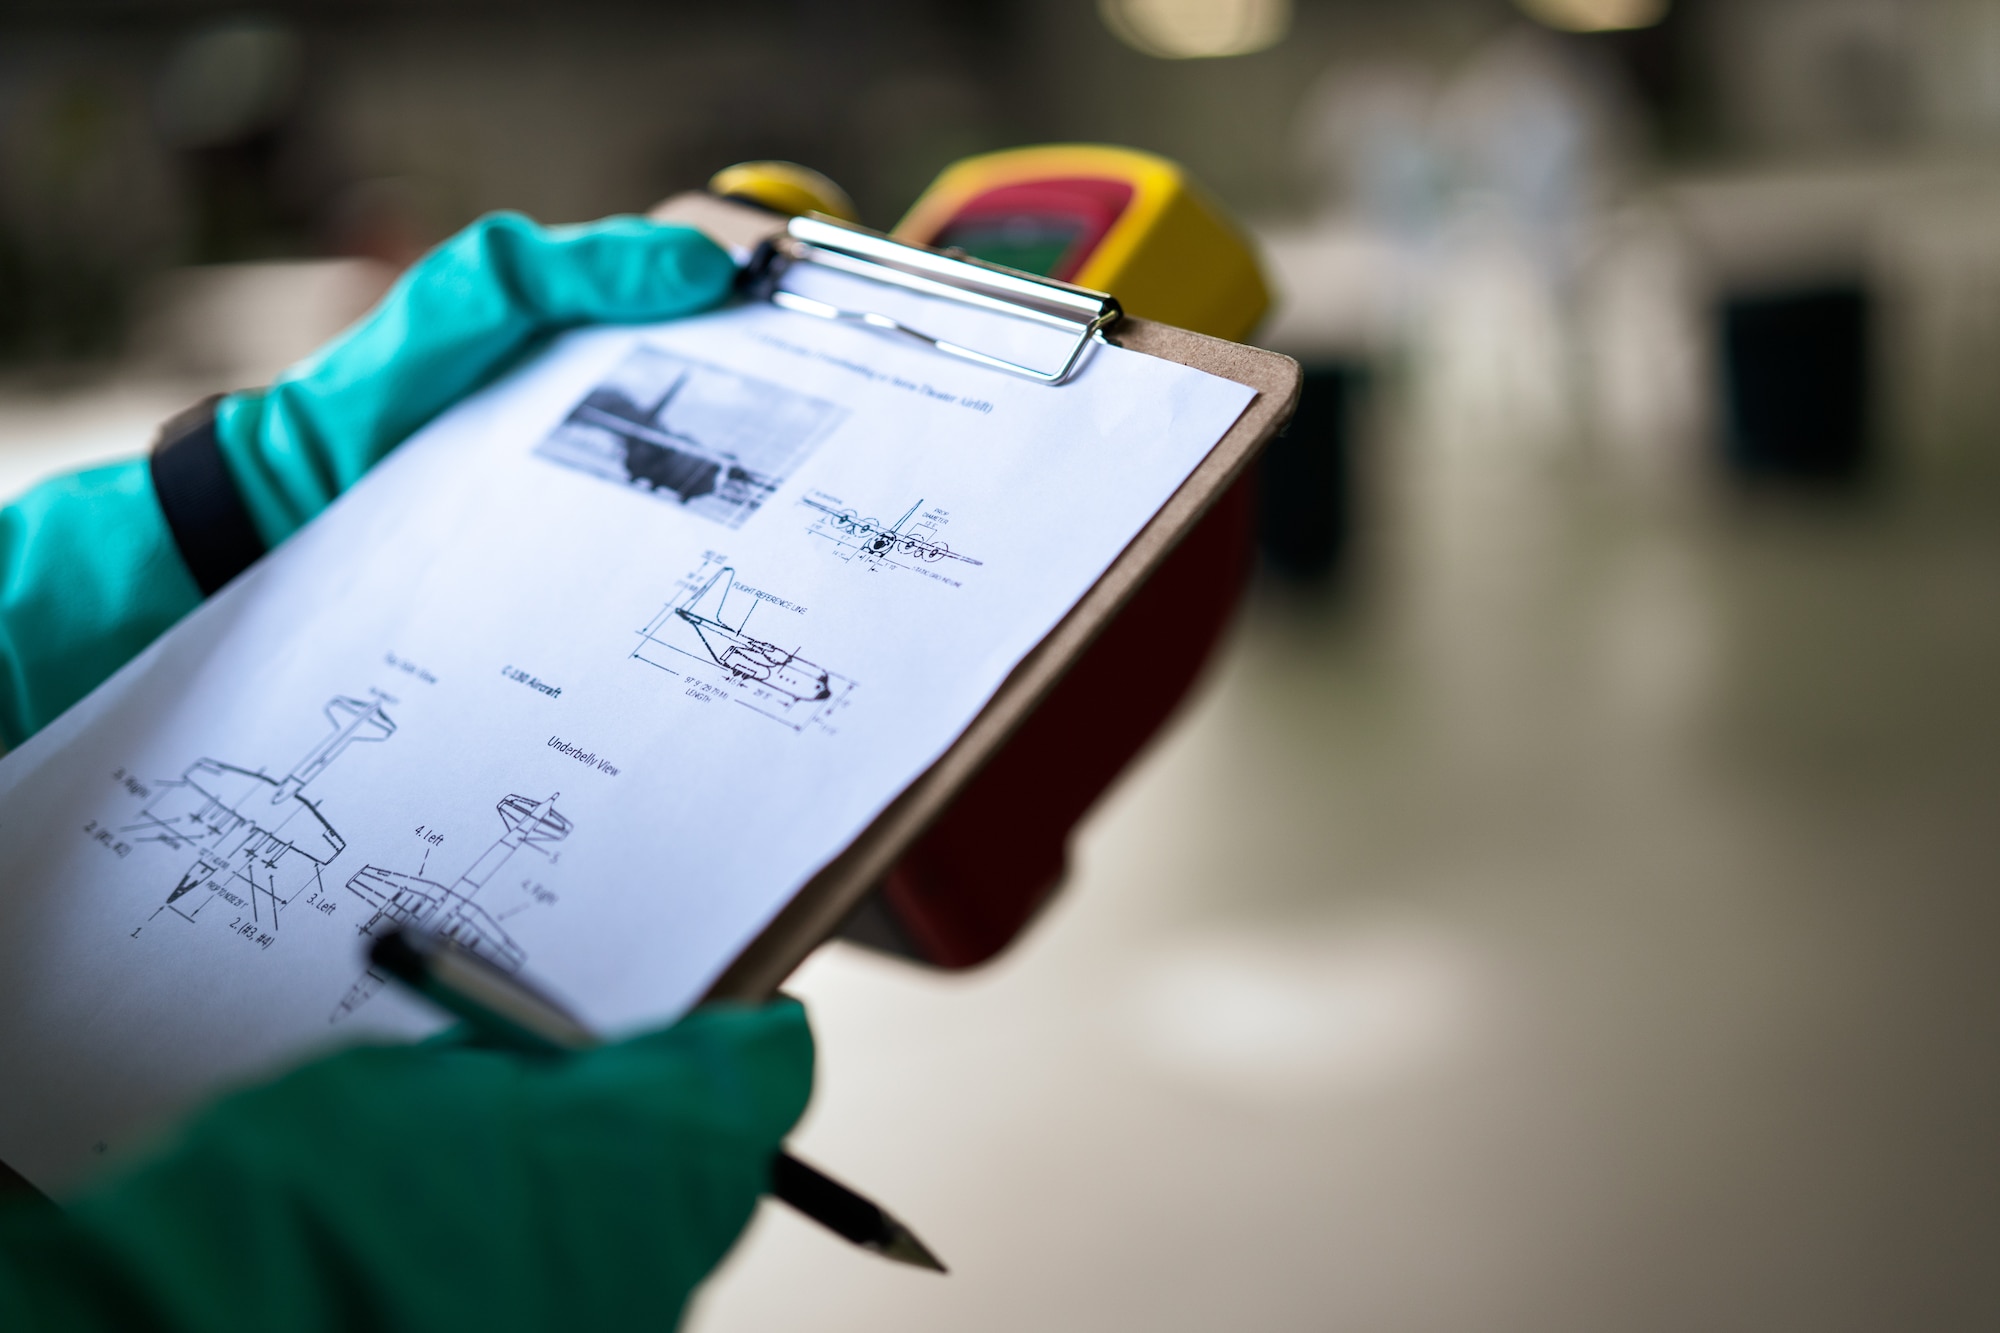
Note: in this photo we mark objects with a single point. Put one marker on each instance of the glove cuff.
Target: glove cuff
(211, 525)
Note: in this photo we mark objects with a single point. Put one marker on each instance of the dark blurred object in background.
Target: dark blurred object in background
(1797, 376)
(86, 201)
(229, 107)
(1306, 488)
(142, 135)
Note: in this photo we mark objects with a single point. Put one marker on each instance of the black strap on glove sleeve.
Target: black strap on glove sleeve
(204, 510)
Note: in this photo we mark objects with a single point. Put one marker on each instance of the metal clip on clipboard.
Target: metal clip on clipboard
(813, 239)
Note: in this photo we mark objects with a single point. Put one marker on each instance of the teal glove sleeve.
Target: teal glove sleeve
(451, 324)
(89, 574)
(435, 1187)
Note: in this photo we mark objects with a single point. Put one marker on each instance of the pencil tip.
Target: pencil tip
(904, 1247)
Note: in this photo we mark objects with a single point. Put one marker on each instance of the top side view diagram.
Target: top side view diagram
(259, 841)
(914, 542)
(712, 440)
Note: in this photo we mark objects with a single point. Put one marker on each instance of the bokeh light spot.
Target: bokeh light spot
(1596, 15)
(1197, 29)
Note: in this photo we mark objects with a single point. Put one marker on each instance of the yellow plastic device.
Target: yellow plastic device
(783, 187)
(1111, 219)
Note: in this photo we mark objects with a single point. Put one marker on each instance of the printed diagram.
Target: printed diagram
(259, 841)
(704, 635)
(913, 542)
(470, 909)
(262, 845)
(717, 442)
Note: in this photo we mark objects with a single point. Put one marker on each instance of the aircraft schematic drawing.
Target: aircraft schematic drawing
(914, 539)
(742, 655)
(259, 841)
(705, 632)
(415, 903)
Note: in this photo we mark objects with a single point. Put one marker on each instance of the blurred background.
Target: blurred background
(1569, 901)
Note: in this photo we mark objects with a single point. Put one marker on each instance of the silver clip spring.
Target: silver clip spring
(877, 258)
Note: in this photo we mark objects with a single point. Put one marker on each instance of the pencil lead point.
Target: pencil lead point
(904, 1247)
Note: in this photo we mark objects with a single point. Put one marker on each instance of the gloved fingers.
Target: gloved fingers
(617, 270)
(445, 1182)
(729, 1068)
(452, 323)
(485, 291)
(677, 1127)
(725, 1073)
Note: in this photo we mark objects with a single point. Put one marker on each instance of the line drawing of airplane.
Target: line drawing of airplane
(706, 626)
(412, 902)
(871, 537)
(259, 842)
(700, 618)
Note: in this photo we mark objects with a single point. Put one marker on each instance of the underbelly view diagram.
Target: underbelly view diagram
(260, 843)
(469, 910)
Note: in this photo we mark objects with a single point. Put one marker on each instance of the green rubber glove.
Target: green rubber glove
(434, 1187)
(453, 323)
(89, 574)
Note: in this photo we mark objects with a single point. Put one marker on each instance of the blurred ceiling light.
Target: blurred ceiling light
(1197, 29)
(1596, 15)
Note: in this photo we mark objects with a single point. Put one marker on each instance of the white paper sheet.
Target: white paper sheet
(598, 670)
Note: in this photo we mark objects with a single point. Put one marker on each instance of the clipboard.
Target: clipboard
(768, 242)
(816, 911)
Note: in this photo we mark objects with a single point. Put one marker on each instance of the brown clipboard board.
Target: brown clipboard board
(816, 911)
